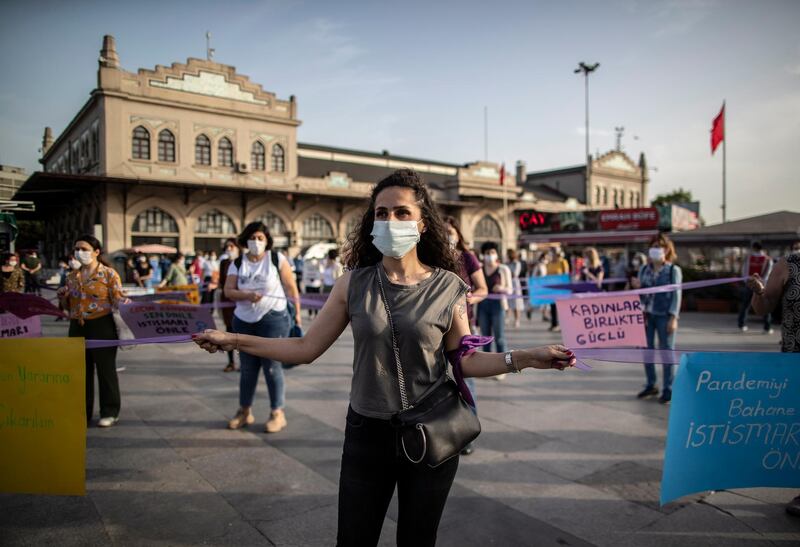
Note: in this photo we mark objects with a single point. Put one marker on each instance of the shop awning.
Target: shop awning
(591, 238)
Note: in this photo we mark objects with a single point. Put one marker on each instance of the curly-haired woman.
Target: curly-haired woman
(402, 245)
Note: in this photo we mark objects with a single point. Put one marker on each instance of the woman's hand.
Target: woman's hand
(253, 297)
(756, 284)
(636, 283)
(543, 357)
(62, 292)
(213, 340)
(298, 318)
(672, 324)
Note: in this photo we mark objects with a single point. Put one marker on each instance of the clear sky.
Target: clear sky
(413, 78)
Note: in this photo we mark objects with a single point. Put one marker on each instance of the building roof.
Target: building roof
(560, 171)
(780, 225)
(546, 193)
(317, 161)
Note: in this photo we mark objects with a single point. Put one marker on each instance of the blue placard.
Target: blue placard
(537, 292)
(734, 423)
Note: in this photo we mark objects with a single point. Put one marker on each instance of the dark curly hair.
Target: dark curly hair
(433, 248)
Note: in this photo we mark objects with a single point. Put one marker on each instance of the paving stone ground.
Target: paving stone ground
(564, 459)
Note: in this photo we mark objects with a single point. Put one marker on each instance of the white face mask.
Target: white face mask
(656, 254)
(490, 259)
(233, 252)
(12, 263)
(395, 238)
(453, 240)
(85, 257)
(74, 264)
(256, 246)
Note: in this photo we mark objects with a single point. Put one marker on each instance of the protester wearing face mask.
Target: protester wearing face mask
(176, 274)
(260, 283)
(144, 272)
(231, 253)
(661, 310)
(492, 312)
(13, 276)
(398, 259)
(471, 273)
(91, 294)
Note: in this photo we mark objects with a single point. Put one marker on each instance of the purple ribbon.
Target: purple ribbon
(632, 355)
(467, 346)
(178, 338)
(654, 290)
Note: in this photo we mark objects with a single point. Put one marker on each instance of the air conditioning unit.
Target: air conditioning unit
(242, 168)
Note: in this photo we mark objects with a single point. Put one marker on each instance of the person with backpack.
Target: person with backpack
(259, 282)
(661, 310)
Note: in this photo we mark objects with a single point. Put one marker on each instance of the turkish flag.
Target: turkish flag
(718, 129)
(502, 174)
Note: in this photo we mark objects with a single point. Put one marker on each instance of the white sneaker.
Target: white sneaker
(107, 422)
(744, 328)
(120, 369)
(770, 331)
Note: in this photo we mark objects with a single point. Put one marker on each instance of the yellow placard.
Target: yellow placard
(42, 416)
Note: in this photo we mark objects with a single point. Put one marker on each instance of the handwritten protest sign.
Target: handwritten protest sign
(539, 294)
(12, 326)
(734, 423)
(153, 320)
(602, 322)
(42, 416)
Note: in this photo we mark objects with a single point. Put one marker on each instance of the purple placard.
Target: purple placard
(148, 320)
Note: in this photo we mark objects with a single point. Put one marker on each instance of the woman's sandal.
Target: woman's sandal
(230, 368)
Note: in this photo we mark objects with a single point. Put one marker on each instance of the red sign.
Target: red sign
(629, 219)
(531, 220)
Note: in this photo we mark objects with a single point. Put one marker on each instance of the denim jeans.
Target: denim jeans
(657, 324)
(274, 324)
(373, 463)
(491, 321)
(747, 295)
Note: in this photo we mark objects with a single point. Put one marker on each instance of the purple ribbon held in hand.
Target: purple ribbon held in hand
(467, 346)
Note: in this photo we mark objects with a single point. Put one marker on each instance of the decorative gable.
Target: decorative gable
(211, 84)
(616, 160)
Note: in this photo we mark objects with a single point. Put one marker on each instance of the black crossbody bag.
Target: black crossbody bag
(436, 428)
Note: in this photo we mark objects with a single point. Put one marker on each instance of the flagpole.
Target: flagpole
(724, 143)
(505, 204)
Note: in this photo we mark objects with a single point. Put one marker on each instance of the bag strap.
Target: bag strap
(400, 376)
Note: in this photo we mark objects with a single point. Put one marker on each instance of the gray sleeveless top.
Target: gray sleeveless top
(422, 314)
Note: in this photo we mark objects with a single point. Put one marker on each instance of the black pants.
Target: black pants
(553, 315)
(104, 360)
(372, 464)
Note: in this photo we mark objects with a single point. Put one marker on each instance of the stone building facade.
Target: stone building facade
(186, 155)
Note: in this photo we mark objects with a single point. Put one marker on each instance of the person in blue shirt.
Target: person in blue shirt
(661, 310)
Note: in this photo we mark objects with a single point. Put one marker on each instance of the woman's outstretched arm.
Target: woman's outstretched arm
(481, 364)
(324, 331)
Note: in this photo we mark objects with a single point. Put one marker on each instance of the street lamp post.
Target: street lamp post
(586, 69)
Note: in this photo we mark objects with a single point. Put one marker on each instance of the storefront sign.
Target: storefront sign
(629, 219)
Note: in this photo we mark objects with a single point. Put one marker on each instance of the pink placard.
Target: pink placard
(12, 326)
(148, 320)
(602, 322)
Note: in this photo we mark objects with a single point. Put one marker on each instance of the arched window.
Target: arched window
(316, 229)
(605, 196)
(225, 152)
(278, 158)
(258, 157)
(141, 144)
(202, 150)
(597, 193)
(166, 146)
(154, 226)
(212, 229)
(487, 229)
(277, 229)
(615, 197)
